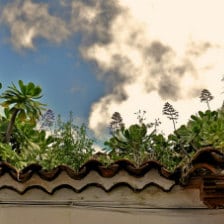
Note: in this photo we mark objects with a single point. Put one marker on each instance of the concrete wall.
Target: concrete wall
(94, 200)
(69, 215)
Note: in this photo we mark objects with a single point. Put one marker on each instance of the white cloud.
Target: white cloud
(177, 21)
(28, 20)
(168, 51)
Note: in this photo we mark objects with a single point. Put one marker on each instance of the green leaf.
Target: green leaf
(22, 86)
(30, 87)
(5, 104)
(37, 91)
(201, 114)
(22, 115)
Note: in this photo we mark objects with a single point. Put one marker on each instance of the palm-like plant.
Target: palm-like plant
(171, 113)
(117, 123)
(206, 96)
(22, 103)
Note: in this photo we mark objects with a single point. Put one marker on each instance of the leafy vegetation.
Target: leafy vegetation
(71, 146)
(21, 103)
(28, 136)
(29, 133)
(204, 129)
(140, 142)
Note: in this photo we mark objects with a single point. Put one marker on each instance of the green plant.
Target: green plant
(10, 156)
(26, 139)
(204, 129)
(22, 104)
(162, 150)
(71, 147)
(138, 144)
(27, 145)
(133, 142)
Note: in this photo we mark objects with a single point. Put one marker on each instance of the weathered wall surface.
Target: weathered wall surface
(95, 206)
(71, 215)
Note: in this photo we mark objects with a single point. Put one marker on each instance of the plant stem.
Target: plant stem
(208, 105)
(10, 126)
(174, 126)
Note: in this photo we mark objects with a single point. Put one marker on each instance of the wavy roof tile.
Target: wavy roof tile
(205, 172)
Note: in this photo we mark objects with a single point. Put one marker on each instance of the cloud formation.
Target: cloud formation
(93, 18)
(27, 20)
(153, 65)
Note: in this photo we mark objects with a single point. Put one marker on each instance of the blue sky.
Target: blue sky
(67, 81)
(95, 57)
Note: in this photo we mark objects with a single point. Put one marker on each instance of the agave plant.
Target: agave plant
(132, 142)
(204, 129)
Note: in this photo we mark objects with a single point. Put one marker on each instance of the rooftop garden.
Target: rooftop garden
(31, 133)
